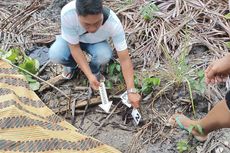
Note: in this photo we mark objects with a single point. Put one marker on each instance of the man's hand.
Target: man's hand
(134, 98)
(218, 70)
(94, 83)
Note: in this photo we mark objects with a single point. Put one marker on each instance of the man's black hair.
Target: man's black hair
(89, 7)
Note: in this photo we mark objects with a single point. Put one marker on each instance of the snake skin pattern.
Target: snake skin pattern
(28, 125)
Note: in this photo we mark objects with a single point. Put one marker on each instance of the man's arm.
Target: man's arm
(80, 58)
(128, 73)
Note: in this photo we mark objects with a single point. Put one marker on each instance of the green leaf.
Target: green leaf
(227, 16)
(136, 81)
(146, 89)
(182, 146)
(118, 68)
(200, 74)
(12, 55)
(198, 85)
(156, 81)
(2, 51)
(29, 78)
(148, 11)
(227, 44)
(148, 83)
(121, 78)
(36, 64)
(109, 84)
(147, 17)
(111, 69)
(34, 86)
(152, 81)
(29, 64)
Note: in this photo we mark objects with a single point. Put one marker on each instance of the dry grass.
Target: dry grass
(21, 24)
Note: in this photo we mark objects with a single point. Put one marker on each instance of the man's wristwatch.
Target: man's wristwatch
(132, 90)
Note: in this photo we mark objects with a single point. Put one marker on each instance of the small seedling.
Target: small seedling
(178, 71)
(183, 146)
(227, 44)
(227, 16)
(147, 11)
(148, 84)
(115, 74)
(198, 85)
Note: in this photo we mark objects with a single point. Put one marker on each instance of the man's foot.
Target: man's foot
(68, 73)
(180, 120)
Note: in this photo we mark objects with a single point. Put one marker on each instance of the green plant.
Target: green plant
(136, 81)
(178, 72)
(227, 44)
(183, 146)
(148, 83)
(15, 56)
(227, 16)
(34, 84)
(29, 64)
(114, 75)
(12, 55)
(148, 10)
(198, 84)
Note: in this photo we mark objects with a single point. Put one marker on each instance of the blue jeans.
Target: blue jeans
(60, 53)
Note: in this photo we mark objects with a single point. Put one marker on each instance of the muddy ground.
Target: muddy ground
(118, 128)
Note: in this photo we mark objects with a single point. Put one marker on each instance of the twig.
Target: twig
(87, 105)
(73, 117)
(43, 67)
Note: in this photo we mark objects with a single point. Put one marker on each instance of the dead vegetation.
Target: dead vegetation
(174, 26)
